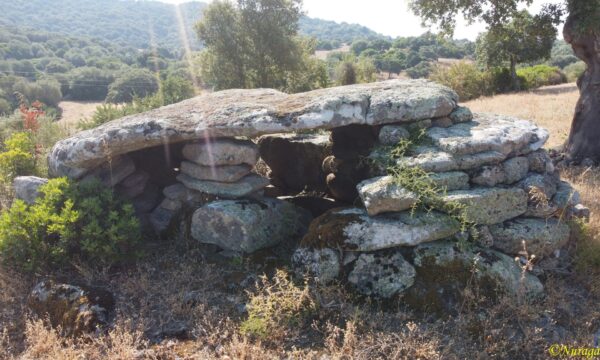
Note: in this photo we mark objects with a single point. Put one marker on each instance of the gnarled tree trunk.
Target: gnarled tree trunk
(584, 139)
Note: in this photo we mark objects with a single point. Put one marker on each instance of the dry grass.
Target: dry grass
(73, 111)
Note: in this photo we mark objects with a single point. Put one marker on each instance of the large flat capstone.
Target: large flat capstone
(251, 113)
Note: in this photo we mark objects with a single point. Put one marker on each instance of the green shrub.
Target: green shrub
(47, 91)
(464, 78)
(5, 107)
(346, 73)
(18, 157)
(574, 71)
(81, 79)
(540, 75)
(501, 80)
(132, 83)
(108, 112)
(562, 61)
(175, 89)
(421, 70)
(69, 222)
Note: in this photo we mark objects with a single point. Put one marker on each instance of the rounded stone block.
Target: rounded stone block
(248, 225)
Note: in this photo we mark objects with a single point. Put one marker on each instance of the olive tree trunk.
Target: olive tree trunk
(584, 139)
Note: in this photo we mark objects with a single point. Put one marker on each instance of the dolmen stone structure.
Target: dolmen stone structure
(248, 169)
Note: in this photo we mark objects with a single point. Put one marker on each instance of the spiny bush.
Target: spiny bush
(277, 306)
(68, 222)
(18, 157)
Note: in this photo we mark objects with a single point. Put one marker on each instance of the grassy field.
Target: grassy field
(338, 325)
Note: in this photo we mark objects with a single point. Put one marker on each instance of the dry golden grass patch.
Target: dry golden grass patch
(73, 111)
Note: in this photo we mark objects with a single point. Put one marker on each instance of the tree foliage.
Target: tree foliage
(525, 38)
(253, 43)
(138, 82)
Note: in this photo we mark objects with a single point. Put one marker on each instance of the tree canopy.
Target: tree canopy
(253, 43)
(525, 38)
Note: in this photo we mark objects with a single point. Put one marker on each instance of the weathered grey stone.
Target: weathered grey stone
(322, 264)
(26, 188)
(515, 169)
(226, 174)
(486, 132)
(509, 172)
(392, 134)
(349, 257)
(489, 176)
(541, 237)
(474, 161)
(416, 126)
(248, 225)
(540, 162)
(461, 114)
(295, 160)
(192, 198)
(443, 122)
(566, 196)
(450, 181)
(222, 152)
(252, 113)
(383, 194)
(244, 187)
(382, 276)
(483, 236)
(76, 310)
(536, 185)
(487, 206)
(173, 205)
(542, 210)
(430, 159)
(133, 185)
(444, 270)
(113, 172)
(148, 200)
(163, 217)
(176, 192)
(353, 229)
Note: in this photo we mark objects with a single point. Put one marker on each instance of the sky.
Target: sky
(388, 17)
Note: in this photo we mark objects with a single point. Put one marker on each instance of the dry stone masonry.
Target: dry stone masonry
(248, 169)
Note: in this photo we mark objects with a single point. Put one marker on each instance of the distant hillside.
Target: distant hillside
(125, 23)
(331, 34)
(142, 23)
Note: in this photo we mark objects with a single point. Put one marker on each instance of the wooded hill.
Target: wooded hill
(144, 23)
